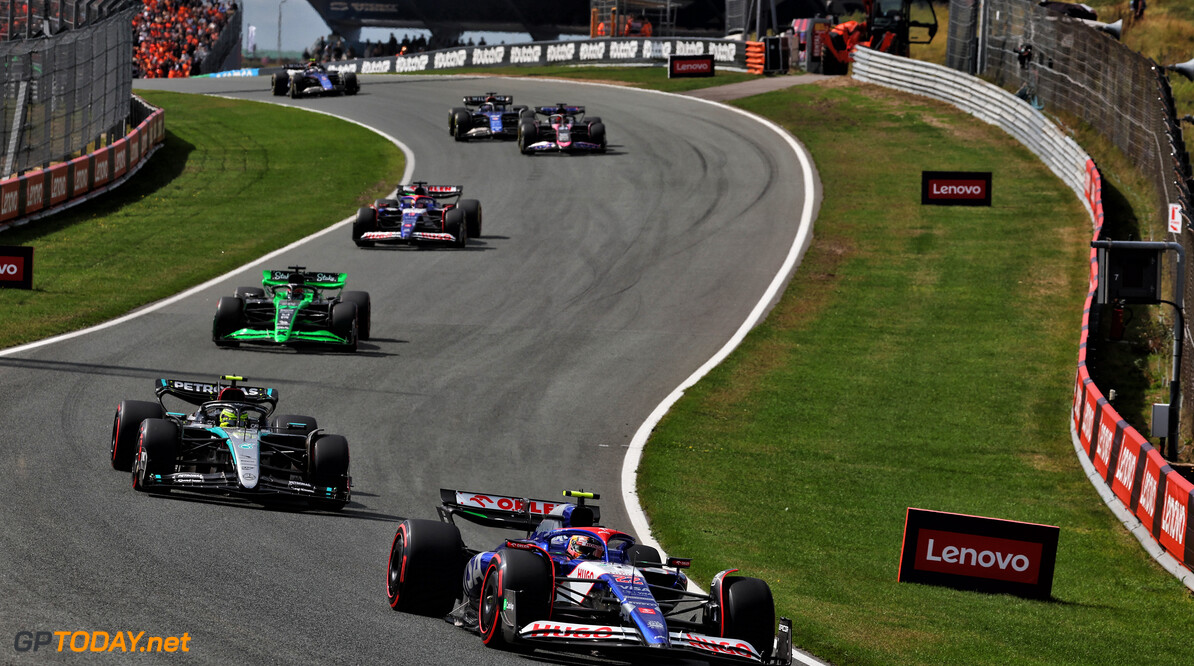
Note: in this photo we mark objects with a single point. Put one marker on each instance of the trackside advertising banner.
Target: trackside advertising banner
(689, 66)
(725, 52)
(955, 188)
(39, 192)
(1124, 461)
(16, 266)
(977, 553)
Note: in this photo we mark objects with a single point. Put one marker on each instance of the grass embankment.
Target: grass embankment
(234, 180)
(921, 357)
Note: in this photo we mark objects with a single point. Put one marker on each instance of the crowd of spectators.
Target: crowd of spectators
(174, 36)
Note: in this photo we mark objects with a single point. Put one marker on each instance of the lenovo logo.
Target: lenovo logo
(955, 188)
(1125, 469)
(1103, 452)
(680, 66)
(16, 266)
(12, 269)
(1173, 519)
(10, 202)
(974, 555)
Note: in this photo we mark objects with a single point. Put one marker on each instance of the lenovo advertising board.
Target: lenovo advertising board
(16, 266)
(688, 66)
(977, 553)
(955, 188)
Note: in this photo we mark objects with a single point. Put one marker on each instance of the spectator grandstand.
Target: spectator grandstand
(174, 36)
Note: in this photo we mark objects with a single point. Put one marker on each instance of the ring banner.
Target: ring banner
(977, 553)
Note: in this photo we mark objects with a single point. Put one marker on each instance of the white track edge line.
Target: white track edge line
(157, 305)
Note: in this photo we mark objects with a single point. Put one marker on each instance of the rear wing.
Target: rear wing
(505, 511)
(433, 191)
(197, 392)
(320, 279)
(477, 100)
(559, 108)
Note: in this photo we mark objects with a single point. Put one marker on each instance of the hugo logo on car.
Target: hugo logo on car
(978, 553)
(955, 188)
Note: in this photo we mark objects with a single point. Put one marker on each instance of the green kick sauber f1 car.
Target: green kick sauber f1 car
(293, 308)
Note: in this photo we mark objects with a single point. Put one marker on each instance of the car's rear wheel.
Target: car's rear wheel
(594, 120)
(344, 323)
(126, 429)
(426, 566)
(597, 135)
(748, 612)
(472, 216)
(364, 311)
(454, 224)
(366, 221)
(157, 452)
(526, 573)
(351, 85)
(228, 320)
(296, 85)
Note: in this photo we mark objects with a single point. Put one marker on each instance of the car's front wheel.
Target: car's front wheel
(426, 566)
(157, 452)
(527, 573)
(126, 429)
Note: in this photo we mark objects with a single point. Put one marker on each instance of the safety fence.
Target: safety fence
(64, 92)
(621, 51)
(49, 190)
(1123, 466)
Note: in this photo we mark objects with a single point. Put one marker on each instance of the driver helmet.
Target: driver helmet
(421, 202)
(582, 546)
(229, 418)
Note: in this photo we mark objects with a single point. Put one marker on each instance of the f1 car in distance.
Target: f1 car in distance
(313, 79)
(571, 582)
(422, 213)
(294, 307)
(488, 115)
(563, 128)
(232, 444)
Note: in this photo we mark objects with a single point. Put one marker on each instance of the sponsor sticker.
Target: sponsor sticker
(955, 188)
(689, 66)
(978, 553)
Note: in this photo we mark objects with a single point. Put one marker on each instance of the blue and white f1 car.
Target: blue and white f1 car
(421, 213)
(313, 79)
(484, 116)
(563, 128)
(571, 582)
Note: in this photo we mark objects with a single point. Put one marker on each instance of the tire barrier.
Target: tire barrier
(756, 56)
(46, 191)
(1145, 493)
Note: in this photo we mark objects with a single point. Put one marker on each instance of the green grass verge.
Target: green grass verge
(654, 78)
(234, 180)
(921, 357)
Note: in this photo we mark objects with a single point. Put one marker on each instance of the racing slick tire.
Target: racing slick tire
(454, 224)
(126, 428)
(748, 612)
(528, 132)
(249, 292)
(157, 451)
(296, 86)
(351, 85)
(329, 466)
(525, 112)
(524, 572)
(426, 565)
(344, 323)
(452, 119)
(229, 317)
(597, 135)
(364, 311)
(366, 221)
(472, 216)
(595, 120)
(462, 122)
(286, 423)
(278, 84)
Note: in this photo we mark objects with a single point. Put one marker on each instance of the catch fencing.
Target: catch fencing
(1081, 72)
(65, 92)
(1145, 493)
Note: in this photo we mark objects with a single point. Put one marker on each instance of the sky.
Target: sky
(301, 26)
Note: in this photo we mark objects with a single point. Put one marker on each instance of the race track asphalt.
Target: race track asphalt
(521, 365)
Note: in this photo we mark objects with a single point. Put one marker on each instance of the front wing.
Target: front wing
(590, 635)
(267, 487)
(544, 146)
(267, 336)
